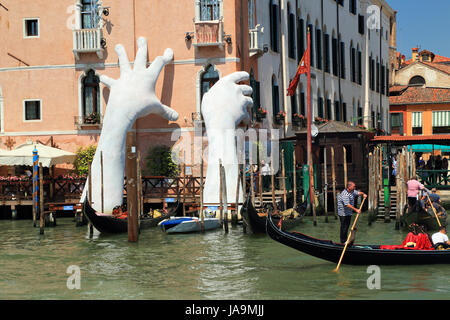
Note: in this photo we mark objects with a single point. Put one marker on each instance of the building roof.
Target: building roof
(441, 139)
(419, 95)
(444, 67)
(333, 127)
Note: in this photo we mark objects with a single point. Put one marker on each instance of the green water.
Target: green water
(199, 266)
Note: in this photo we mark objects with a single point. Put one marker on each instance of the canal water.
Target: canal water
(213, 265)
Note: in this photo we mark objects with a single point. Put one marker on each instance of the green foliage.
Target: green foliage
(83, 159)
(159, 162)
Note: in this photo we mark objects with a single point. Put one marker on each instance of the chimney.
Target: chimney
(415, 53)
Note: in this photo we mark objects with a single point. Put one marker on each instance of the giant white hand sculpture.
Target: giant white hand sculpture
(132, 96)
(224, 106)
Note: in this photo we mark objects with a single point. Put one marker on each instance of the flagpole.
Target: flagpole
(308, 133)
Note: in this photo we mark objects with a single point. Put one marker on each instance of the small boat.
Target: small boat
(355, 254)
(257, 220)
(423, 218)
(187, 224)
(106, 223)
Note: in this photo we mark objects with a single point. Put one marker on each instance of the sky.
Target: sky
(422, 23)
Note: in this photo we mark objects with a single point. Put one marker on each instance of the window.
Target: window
(337, 111)
(320, 107)
(300, 40)
(417, 81)
(302, 103)
(359, 67)
(91, 98)
(326, 39)
(274, 25)
(344, 112)
(361, 24)
(329, 111)
(291, 35)
(209, 10)
(374, 119)
(89, 14)
(353, 64)
(352, 8)
(383, 81)
(311, 36)
(360, 114)
(416, 123)
(335, 56)
(256, 93)
(348, 153)
(397, 123)
(378, 77)
(342, 60)
(209, 78)
(294, 108)
(441, 122)
(32, 110)
(275, 97)
(319, 48)
(31, 28)
(251, 14)
(387, 80)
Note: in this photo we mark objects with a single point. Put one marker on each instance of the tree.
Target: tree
(159, 162)
(83, 159)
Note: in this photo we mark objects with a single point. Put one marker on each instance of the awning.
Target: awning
(416, 119)
(428, 148)
(23, 156)
(441, 118)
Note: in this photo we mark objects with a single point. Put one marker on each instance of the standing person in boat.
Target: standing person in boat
(265, 172)
(440, 239)
(414, 188)
(346, 207)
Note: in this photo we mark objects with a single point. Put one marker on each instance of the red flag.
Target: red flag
(303, 67)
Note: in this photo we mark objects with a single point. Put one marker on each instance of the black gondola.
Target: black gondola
(355, 254)
(110, 224)
(257, 222)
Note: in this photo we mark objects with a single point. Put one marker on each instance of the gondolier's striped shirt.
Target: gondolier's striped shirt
(344, 199)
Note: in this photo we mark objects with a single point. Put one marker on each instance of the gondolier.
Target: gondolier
(346, 202)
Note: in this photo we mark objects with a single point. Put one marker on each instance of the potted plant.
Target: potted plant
(280, 116)
(299, 119)
(319, 120)
(261, 114)
(93, 118)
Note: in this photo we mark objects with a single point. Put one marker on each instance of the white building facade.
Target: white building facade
(352, 45)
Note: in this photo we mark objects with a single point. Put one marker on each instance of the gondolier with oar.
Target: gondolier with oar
(346, 207)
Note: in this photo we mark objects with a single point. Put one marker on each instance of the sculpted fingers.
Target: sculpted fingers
(166, 112)
(124, 63)
(246, 90)
(238, 76)
(140, 63)
(160, 61)
(107, 81)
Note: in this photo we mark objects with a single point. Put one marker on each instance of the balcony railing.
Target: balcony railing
(82, 122)
(256, 40)
(208, 33)
(87, 41)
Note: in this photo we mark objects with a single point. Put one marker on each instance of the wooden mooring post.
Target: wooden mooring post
(333, 178)
(132, 200)
(224, 197)
(234, 217)
(41, 200)
(202, 216)
(325, 175)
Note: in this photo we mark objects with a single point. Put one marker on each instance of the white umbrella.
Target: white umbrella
(23, 155)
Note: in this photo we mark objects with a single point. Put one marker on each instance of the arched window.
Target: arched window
(251, 14)
(209, 78)
(256, 93)
(318, 46)
(300, 39)
(91, 98)
(209, 10)
(417, 81)
(319, 105)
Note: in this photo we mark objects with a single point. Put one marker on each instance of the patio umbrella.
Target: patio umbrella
(23, 155)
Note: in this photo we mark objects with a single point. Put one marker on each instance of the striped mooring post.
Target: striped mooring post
(35, 184)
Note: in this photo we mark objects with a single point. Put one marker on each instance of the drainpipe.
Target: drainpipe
(283, 65)
(323, 62)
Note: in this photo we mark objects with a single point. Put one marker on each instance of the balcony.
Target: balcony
(93, 122)
(256, 40)
(208, 33)
(87, 41)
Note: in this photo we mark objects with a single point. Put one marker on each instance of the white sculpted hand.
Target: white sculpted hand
(133, 94)
(225, 104)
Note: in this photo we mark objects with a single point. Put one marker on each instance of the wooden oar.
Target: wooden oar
(349, 235)
(434, 210)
